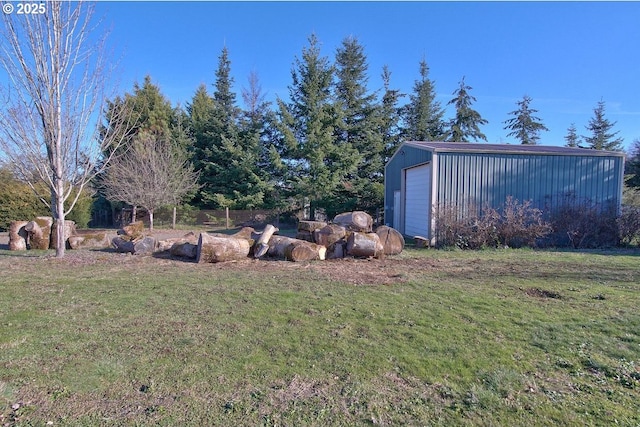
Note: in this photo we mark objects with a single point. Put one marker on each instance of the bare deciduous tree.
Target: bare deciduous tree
(51, 97)
(151, 173)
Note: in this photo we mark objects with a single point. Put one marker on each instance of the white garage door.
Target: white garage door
(417, 201)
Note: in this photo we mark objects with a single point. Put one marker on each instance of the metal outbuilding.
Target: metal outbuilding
(423, 175)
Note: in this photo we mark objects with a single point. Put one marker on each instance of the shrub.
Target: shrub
(516, 224)
(81, 212)
(629, 225)
(585, 225)
(521, 224)
(465, 230)
(19, 202)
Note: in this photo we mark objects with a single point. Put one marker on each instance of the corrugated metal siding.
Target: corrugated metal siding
(482, 174)
(481, 179)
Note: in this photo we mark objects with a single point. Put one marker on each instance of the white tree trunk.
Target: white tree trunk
(55, 78)
(150, 219)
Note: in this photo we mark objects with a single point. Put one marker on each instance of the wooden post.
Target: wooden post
(226, 211)
(173, 219)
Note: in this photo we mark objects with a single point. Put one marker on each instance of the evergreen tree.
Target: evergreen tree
(423, 115)
(632, 166)
(524, 125)
(225, 155)
(572, 137)
(360, 131)
(466, 124)
(200, 112)
(152, 111)
(390, 116)
(155, 120)
(254, 131)
(602, 138)
(307, 128)
(146, 108)
(221, 181)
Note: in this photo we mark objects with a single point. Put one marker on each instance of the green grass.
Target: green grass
(505, 337)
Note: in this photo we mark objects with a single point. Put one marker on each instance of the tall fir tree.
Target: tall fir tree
(307, 125)
(254, 132)
(466, 124)
(390, 114)
(362, 121)
(225, 156)
(572, 139)
(601, 135)
(200, 112)
(524, 125)
(423, 115)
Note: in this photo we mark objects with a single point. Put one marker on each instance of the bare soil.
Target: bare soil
(357, 271)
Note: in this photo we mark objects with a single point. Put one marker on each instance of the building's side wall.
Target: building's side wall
(549, 181)
(406, 157)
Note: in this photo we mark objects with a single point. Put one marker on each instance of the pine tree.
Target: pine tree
(219, 148)
(602, 138)
(200, 112)
(466, 124)
(390, 115)
(233, 181)
(572, 138)
(254, 134)
(423, 115)
(224, 154)
(632, 166)
(361, 117)
(307, 128)
(524, 125)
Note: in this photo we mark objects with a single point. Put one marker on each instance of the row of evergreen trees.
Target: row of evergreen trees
(327, 143)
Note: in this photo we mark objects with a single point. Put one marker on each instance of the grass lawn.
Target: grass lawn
(498, 337)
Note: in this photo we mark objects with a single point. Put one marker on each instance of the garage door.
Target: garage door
(417, 201)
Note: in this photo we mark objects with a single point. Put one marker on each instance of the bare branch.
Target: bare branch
(151, 173)
(49, 128)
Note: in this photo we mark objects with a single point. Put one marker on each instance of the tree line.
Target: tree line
(327, 143)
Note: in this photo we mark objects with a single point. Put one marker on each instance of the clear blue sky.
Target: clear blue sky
(566, 56)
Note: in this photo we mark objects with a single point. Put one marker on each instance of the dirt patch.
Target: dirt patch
(541, 293)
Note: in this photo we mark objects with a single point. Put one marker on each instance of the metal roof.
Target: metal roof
(464, 147)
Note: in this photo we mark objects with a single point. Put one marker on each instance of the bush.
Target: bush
(18, 201)
(517, 224)
(521, 224)
(629, 225)
(585, 225)
(81, 212)
(465, 230)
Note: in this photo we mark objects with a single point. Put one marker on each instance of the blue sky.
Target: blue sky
(566, 56)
